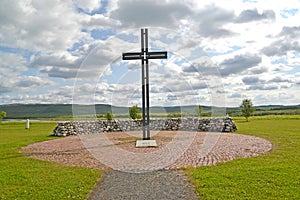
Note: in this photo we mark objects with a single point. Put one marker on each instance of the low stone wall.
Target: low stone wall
(193, 124)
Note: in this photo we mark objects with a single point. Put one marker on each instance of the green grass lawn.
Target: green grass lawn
(23, 177)
(272, 176)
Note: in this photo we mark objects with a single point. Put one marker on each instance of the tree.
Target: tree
(109, 116)
(134, 112)
(247, 108)
(199, 110)
(3, 114)
(174, 115)
(139, 116)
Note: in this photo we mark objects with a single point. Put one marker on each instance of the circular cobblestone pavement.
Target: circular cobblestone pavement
(72, 151)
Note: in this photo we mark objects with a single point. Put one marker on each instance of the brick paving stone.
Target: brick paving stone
(219, 148)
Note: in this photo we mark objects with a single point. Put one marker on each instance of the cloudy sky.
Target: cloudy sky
(69, 51)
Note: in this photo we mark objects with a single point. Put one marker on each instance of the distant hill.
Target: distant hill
(46, 110)
(22, 111)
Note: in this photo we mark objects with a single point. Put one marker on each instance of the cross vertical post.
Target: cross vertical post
(145, 97)
(144, 56)
(147, 85)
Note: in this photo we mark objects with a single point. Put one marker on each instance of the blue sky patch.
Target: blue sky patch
(287, 13)
(102, 34)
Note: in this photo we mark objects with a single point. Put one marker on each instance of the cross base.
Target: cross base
(145, 143)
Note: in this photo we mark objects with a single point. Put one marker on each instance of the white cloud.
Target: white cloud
(133, 13)
(253, 15)
(39, 24)
(251, 47)
(210, 22)
(11, 64)
(56, 58)
(239, 64)
(99, 21)
(88, 5)
(250, 80)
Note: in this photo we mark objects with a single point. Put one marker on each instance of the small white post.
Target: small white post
(27, 123)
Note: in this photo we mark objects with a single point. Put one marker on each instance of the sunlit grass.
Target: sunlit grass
(23, 177)
(272, 176)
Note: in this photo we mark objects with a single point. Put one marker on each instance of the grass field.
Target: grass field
(22, 177)
(272, 176)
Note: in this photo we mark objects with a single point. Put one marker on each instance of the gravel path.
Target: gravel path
(162, 184)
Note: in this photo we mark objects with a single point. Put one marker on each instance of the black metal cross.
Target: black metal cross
(145, 55)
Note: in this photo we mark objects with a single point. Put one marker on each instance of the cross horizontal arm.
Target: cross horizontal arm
(157, 55)
(149, 55)
(132, 56)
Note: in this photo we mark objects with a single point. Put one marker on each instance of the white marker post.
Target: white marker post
(27, 123)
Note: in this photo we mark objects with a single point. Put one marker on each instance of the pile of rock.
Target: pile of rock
(217, 125)
(192, 124)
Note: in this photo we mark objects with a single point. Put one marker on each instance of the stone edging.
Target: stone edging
(185, 124)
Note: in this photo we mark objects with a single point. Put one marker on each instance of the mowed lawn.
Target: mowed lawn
(272, 176)
(22, 177)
